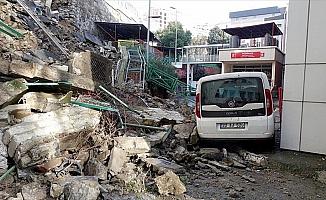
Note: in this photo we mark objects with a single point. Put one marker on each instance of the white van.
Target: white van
(234, 106)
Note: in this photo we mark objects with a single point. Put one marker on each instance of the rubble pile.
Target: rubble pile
(65, 136)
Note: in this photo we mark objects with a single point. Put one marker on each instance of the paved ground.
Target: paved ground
(290, 175)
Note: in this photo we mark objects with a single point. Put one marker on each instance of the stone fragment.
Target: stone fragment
(258, 160)
(42, 136)
(118, 158)
(11, 91)
(67, 183)
(19, 196)
(160, 164)
(79, 189)
(96, 168)
(219, 165)
(170, 184)
(248, 178)
(218, 172)
(183, 130)
(133, 178)
(42, 102)
(34, 191)
(56, 190)
(133, 145)
(321, 176)
(194, 137)
(234, 194)
(211, 153)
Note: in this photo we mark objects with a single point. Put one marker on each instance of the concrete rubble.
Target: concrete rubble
(170, 183)
(62, 137)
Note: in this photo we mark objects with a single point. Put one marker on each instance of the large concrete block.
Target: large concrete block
(33, 70)
(44, 135)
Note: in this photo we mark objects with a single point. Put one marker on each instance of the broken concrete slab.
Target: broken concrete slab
(158, 116)
(118, 158)
(159, 137)
(33, 70)
(160, 164)
(96, 168)
(11, 91)
(183, 130)
(170, 184)
(46, 134)
(34, 191)
(133, 145)
(42, 102)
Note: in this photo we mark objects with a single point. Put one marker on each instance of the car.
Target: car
(234, 106)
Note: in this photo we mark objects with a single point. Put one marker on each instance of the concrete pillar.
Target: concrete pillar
(188, 74)
(273, 74)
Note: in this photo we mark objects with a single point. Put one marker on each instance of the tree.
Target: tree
(167, 35)
(199, 40)
(217, 36)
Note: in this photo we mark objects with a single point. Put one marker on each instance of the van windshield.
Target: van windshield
(232, 92)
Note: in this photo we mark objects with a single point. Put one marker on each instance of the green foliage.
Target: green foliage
(167, 35)
(217, 36)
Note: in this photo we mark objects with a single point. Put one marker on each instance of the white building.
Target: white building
(304, 113)
(123, 11)
(166, 15)
(259, 16)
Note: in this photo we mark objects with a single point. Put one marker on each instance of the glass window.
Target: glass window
(240, 90)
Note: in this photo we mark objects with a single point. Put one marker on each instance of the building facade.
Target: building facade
(257, 16)
(304, 103)
(163, 16)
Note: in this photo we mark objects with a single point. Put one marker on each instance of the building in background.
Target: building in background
(259, 16)
(304, 109)
(166, 15)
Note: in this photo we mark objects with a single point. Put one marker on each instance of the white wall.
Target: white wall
(304, 113)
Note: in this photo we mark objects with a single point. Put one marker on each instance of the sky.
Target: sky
(194, 12)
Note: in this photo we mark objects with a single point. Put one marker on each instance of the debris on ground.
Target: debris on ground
(170, 184)
(68, 132)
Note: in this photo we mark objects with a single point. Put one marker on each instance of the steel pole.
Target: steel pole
(176, 36)
(147, 44)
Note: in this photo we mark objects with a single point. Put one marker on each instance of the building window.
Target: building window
(164, 14)
(164, 18)
(161, 21)
(160, 13)
(279, 25)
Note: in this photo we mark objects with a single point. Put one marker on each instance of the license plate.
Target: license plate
(240, 125)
